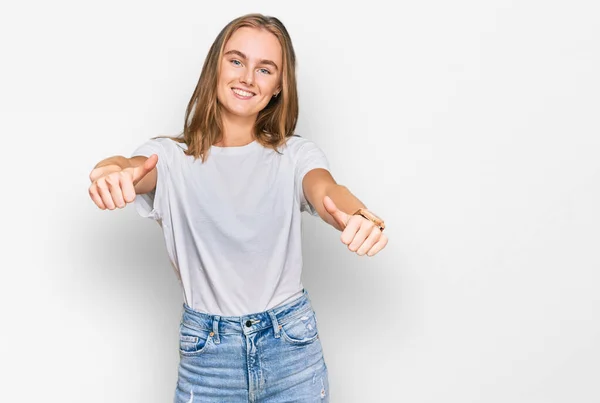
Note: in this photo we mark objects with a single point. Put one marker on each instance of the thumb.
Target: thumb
(142, 170)
(339, 216)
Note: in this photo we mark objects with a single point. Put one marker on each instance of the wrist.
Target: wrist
(118, 161)
(369, 215)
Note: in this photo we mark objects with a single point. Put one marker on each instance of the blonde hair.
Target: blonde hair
(274, 124)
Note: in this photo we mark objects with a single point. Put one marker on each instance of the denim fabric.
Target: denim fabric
(269, 357)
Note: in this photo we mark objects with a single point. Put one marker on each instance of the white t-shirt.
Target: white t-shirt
(232, 226)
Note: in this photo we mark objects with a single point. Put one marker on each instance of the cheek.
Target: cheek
(268, 85)
(223, 84)
(221, 88)
(224, 78)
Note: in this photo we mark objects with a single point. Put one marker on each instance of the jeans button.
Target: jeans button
(248, 323)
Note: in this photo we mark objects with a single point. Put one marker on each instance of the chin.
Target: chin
(241, 112)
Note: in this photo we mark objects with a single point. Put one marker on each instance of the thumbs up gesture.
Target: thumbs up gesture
(361, 235)
(113, 186)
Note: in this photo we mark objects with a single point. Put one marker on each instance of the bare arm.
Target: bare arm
(336, 206)
(319, 183)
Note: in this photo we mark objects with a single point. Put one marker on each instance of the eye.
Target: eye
(264, 71)
(236, 62)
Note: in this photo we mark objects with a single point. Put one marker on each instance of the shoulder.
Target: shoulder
(164, 147)
(169, 143)
(296, 145)
(160, 142)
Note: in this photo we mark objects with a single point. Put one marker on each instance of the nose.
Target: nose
(247, 76)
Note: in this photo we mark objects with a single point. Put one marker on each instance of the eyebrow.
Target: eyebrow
(243, 56)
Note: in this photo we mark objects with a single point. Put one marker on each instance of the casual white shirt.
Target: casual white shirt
(232, 225)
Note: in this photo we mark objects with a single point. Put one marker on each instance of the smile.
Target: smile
(242, 94)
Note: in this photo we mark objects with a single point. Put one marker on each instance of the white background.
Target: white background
(472, 127)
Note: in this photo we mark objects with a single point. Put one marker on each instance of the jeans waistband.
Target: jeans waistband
(250, 323)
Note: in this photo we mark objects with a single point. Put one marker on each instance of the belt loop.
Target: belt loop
(276, 326)
(216, 338)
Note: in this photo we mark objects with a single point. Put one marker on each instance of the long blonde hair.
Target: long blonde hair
(274, 124)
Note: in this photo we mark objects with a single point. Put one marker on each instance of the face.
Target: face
(250, 72)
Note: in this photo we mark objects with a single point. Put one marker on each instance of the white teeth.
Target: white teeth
(242, 92)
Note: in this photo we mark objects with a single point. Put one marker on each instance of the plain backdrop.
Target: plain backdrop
(470, 126)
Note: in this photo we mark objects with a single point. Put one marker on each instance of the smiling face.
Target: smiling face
(250, 72)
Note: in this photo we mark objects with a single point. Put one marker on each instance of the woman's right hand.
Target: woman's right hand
(113, 186)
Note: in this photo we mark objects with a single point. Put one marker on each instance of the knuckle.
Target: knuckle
(111, 178)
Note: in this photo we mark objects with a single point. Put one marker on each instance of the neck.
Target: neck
(237, 130)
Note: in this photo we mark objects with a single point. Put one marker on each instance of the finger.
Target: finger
(338, 215)
(114, 185)
(127, 188)
(104, 193)
(93, 191)
(352, 227)
(142, 170)
(378, 246)
(370, 241)
(95, 174)
(362, 234)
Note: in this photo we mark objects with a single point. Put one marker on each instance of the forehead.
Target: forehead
(256, 44)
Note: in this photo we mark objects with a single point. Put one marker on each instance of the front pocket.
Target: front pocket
(192, 340)
(302, 329)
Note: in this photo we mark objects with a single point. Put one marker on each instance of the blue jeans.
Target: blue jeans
(269, 357)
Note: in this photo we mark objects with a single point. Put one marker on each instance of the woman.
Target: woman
(228, 195)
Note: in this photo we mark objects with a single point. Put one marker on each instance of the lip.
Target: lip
(242, 89)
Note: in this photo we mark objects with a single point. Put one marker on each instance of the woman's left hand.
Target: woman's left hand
(361, 235)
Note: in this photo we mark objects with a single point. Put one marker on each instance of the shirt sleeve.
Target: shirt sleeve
(309, 157)
(154, 203)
